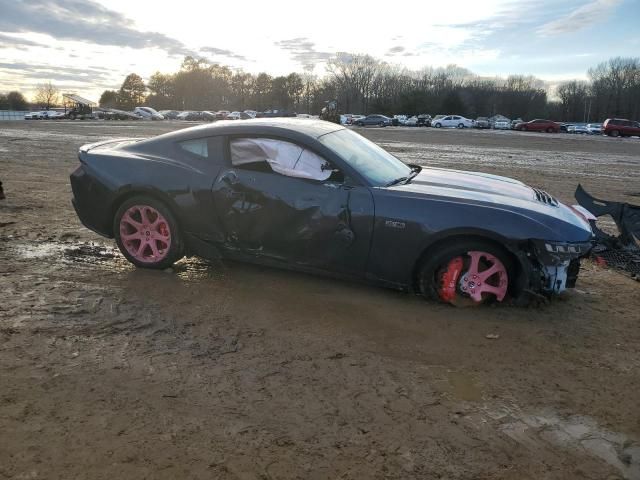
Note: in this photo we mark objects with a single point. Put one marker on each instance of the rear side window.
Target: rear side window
(198, 147)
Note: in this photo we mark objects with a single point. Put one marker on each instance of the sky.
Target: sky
(87, 46)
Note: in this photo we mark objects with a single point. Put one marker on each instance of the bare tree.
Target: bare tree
(47, 95)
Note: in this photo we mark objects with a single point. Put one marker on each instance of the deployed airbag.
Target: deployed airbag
(284, 158)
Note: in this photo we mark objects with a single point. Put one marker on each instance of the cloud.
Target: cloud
(88, 75)
(582, 17)
(304, 52)
(221, 52)
(395, 50)
(84, 21)
(7, 41)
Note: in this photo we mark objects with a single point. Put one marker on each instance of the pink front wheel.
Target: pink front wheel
(472, 278)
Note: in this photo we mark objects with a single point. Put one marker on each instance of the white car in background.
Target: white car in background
(402, 119)
(582, 129)
(453, 121)
(502, 125)
(147, 113)
(44, 114)
(594, 128)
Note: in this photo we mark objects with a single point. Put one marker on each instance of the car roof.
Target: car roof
(254, 126)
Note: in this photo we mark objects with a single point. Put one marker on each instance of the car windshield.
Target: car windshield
(374, 163)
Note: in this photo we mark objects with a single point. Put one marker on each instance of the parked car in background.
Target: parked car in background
(44, 115)
(620, 127)
(197, 116)
(424, 120)
(379, 120)
(412, 121)
(581, 129)
(502, 125)
(170, 114)
(238, 116)
(275, 114)
(482, 122)
(515, 122)
(594, 128)
(399, 120)
(453, 121)
(538, 125)
(251, 113)
(147, 113)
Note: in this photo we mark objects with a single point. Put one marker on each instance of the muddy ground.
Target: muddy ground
(230, 371)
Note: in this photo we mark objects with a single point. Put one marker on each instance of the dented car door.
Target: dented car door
(322, 224)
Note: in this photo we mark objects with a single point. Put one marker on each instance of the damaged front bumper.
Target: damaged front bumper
(551, 267)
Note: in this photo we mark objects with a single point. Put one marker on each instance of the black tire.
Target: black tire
(437, 260)
(438, 125)
(614, 133)
(381, 124)
(360, 124)
(176, 250)
(461, 125)
(549, 130)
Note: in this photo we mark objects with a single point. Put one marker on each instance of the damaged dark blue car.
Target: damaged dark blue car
(317, 197)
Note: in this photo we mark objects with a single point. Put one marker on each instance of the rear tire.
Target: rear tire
(461, 125)
(549, 130)
(147, 233)
(435, 268)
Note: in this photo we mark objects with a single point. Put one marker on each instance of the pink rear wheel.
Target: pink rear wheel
(147, 233)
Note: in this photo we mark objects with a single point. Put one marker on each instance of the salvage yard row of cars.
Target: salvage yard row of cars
(614, 127)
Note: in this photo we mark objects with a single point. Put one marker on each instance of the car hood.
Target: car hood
(490, 190)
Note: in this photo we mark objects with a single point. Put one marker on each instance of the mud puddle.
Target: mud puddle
(93, 254)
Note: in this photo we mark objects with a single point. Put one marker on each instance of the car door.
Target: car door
(323, 223)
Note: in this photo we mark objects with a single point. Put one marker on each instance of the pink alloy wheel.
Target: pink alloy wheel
(491, 279)
(145, 234)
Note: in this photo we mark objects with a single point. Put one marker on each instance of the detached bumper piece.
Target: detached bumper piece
(622, 251)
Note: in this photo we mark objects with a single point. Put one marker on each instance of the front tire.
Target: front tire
(147, 233)
(467, 273)
(614, 133)
(438, 125)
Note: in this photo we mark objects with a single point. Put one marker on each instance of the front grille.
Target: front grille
(544, 197)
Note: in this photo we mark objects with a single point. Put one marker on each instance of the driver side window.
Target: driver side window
(279, 156)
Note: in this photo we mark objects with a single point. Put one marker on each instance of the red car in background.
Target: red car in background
(620, 127)
(539, 125)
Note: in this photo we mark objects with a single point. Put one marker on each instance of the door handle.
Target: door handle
(229, 177)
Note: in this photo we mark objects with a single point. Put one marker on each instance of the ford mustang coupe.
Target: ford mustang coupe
(317, 197)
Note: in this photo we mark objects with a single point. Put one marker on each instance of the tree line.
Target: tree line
(363, 84)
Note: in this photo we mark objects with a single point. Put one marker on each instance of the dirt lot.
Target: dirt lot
(230, 371)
